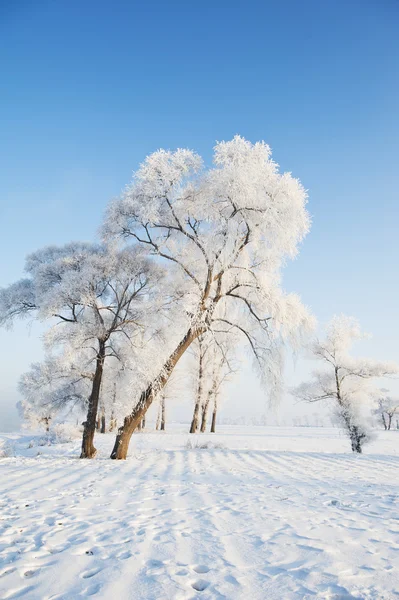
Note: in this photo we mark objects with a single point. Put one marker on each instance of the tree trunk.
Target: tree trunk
(163, 416)
(158, 415)
(102, 422)
(198, 401)
(356, 435)
(384, 421)
(88, 449)
(205, 412)
(389, 421)
(112, 422)
(213, 424)
(356, 439)
(194, 421)
(131, 421)
(143, 423)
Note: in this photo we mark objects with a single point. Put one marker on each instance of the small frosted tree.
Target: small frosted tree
(386, 409)
(345, 381)
(52, 388)
(202, 349)
(214, 358)
(224, 233)
(223, 369)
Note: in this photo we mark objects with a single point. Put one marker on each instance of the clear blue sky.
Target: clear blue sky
(88, 88)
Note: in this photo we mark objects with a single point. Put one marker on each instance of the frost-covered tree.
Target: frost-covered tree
(161, 414)
(99, 300)
(51, 388)
(345, 380)
(213, 364)
(225, 233)
(386, 409)
(222, 369)
(201, 355)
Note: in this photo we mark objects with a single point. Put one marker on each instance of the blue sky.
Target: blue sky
(89, 88)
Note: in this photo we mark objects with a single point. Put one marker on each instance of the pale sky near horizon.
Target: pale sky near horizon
(89, 89)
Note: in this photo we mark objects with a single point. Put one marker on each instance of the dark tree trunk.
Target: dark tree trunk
(384, 421)
(143, 423)
(356, 440)
(88, 449)
(389, 421)
(195, 419)
(213, 424)
(131, 421)
(356, 436)
(102, 423)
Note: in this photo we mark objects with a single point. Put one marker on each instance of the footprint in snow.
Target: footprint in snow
(201, 569)
(200, 585)
(90, 573)
(91, 590)
(30, 573)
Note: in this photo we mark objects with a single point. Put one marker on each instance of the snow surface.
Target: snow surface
(261, 514)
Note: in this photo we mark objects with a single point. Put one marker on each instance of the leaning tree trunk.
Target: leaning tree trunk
(88, 449)
(131, 421)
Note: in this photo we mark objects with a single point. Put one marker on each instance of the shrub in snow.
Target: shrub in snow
(6, 449)
(63, 433)
(204, 445)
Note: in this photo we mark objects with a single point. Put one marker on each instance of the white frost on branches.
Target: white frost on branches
(225, 233)
(349, 382)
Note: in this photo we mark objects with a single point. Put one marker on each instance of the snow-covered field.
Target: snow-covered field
(263, 513)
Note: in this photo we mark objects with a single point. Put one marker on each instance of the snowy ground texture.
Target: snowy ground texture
(270, 514)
